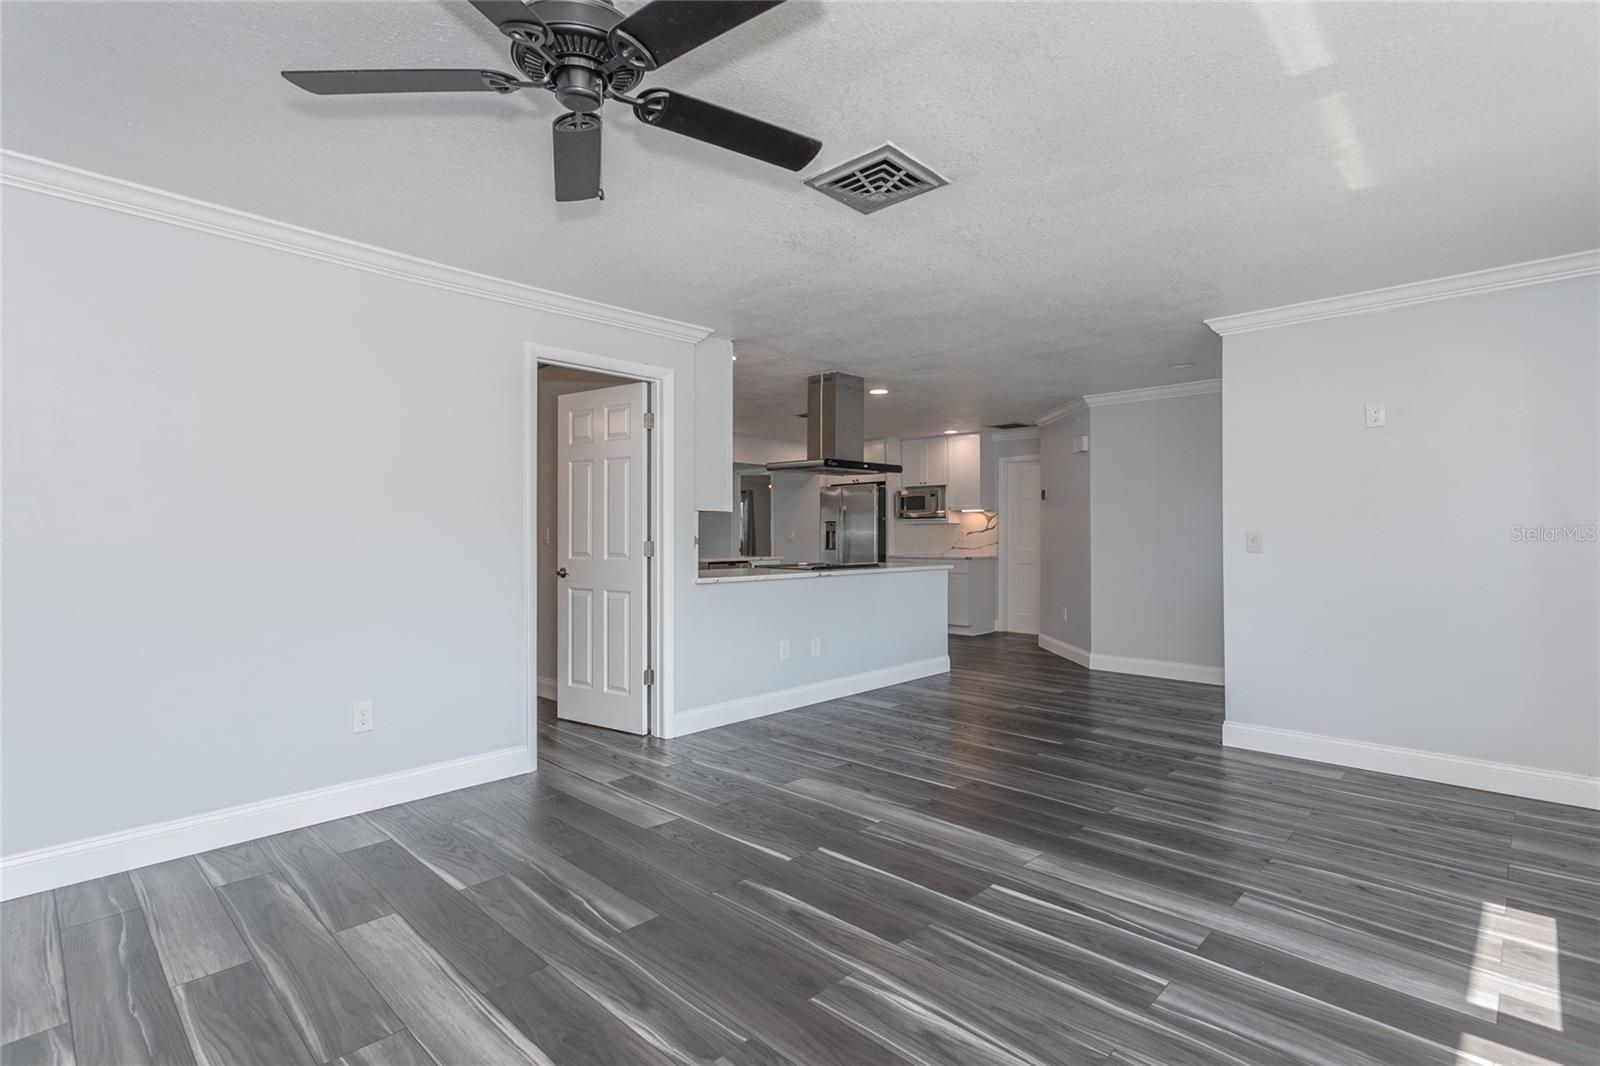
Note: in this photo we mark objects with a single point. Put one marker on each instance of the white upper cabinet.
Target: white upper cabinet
(924, 460)
(957, 463)
(911, 462)
(964, 460)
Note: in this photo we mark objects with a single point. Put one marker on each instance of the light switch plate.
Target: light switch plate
(1377, 414)
(1252, 542)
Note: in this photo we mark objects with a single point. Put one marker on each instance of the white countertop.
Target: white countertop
(756, 560)
(948, 557)
(724, 577)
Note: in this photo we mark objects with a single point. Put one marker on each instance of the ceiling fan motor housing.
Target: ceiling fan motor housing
(579, 41)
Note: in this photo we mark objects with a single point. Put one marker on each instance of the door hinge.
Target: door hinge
(650, 675)
(649, 549)
(649, 420)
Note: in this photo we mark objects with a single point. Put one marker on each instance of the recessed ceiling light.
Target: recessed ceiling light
(951, 432)
(736, 359)
(1181, 366)
(878, 392)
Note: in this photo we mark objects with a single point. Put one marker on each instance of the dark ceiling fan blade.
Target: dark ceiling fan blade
(663, 30)
(513, 18)
(678, 113)
(342, 82)
(575, 138)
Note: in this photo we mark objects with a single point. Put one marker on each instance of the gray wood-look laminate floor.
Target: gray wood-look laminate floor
(1018, 863)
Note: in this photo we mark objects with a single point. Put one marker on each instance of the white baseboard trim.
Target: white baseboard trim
(787, 699)
(1065, 650)
(1125, 664)
(1554, 786)
(66, 864)
(547, 688)
(1165, 668)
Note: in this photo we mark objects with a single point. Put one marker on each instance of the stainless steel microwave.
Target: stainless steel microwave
(920, 501)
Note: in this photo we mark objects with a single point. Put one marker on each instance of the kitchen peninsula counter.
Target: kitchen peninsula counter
(772, 640)
(761, 573)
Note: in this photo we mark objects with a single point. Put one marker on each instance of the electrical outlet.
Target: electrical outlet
(1252, 542)
(816, 647)
(362, 717)
(783, 649)
(1377, 414)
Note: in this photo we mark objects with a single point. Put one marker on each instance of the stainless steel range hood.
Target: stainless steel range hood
(835, 405)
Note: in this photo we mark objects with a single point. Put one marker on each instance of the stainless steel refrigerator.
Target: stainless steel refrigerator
(853, 532)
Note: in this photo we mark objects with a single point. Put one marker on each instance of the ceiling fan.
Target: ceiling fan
(585, 52)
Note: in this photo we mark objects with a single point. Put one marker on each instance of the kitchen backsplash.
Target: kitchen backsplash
(977, 533)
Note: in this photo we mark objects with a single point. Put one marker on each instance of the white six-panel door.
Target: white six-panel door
(1019, 530)
(601, 530)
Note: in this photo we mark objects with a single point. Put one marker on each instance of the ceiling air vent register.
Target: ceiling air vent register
(881, 178)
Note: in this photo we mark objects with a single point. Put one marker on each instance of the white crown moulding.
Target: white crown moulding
(1111, 399)
(1066, 410)
(33, 174)
(1534, 272)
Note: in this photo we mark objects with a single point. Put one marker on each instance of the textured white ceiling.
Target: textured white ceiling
(1119, 171)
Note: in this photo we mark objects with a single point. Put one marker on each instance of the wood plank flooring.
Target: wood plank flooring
(1021, 864)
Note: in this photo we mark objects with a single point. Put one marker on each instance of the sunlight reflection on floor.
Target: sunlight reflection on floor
(1516, 965)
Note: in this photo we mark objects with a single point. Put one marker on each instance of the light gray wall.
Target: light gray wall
(797, 517)
(243, 489)
(1394, 602)
(717, 533)
(1156, 529)
(554, 382)
(762, 450)
(1064, 529)
(1005, 449)
(867, 622)
(251, 487)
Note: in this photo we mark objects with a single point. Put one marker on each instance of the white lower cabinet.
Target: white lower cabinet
(959, 592)
(973, 591)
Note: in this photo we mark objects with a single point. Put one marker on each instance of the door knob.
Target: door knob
(562, 572)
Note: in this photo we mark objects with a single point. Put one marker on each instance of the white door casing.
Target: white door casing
(1019, 544)
(602, 463)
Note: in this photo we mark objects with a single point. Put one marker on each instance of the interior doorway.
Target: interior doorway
(1020, 486)
(596, 513)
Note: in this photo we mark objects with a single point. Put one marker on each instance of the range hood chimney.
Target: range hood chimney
(834, 418)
